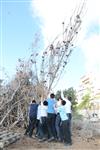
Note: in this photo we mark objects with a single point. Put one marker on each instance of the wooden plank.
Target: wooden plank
(9, 140)
(6, 135)
(3, 132)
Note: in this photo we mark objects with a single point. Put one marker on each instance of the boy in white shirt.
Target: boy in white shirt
(43, 120)
(58, 120)
(65, 124)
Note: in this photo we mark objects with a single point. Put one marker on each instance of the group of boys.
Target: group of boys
(52, 120)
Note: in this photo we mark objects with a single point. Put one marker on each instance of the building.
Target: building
(86, 86)
(90, 83)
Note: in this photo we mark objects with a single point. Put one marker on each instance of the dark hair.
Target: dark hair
(69, 98)
(52, 95)
(33, 101)
(63, 102)
(45, 103)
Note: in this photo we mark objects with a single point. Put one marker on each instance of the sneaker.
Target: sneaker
(60, 140)
(36, 135)
(32, 137)
(51, 139)
(43, 139)
(67, 144)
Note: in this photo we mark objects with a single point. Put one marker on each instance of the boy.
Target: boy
(64, 124)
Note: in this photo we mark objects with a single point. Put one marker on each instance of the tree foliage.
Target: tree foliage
(58, 94)
(85, 104)
(71, 93)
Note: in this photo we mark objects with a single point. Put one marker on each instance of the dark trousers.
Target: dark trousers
(38, 133)
(66, 131)
(51, 125)
(31, 126)
(69, 118)
(44, 127)
(58, 127)
(37, 126)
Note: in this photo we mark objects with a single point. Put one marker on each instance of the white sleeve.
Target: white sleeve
(62, 95)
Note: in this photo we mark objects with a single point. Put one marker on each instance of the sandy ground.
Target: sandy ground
(79, 143)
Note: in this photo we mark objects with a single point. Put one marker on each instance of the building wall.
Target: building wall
(90, 83)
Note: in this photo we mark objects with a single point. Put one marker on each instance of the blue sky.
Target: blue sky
(18, 31)
(21, 20)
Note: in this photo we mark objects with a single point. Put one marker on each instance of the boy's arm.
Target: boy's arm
(62, 95)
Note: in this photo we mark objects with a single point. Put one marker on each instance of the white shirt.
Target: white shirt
(58, 104)
(39, 112)
(43, 110)
(68, 106)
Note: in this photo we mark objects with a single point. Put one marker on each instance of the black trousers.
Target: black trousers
(58, 127)
(31, 126)
(44, 127)
(66, 131)
(69, 116)
(51, 125)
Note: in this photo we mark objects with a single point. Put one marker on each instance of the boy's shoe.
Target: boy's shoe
(32, 137)
(36, 135)
(67, 144)
(60, 140)
(51, 139)
(43, 139)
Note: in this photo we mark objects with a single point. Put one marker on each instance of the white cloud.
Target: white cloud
(91, 36)
(91, 47)
(54, 12)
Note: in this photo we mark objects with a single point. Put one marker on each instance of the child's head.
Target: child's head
(69, 98)
(45, 103)
(33, 101)
(63, 102)
(52, 95)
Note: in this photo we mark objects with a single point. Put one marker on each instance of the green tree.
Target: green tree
(58, 94)
(85, 104)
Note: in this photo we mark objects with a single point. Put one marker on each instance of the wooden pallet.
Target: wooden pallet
(8, 137)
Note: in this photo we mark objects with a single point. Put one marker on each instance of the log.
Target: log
(6, 135)
(8, 142)
(8, 138)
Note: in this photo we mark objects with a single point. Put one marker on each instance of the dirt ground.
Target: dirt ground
(79, 143)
